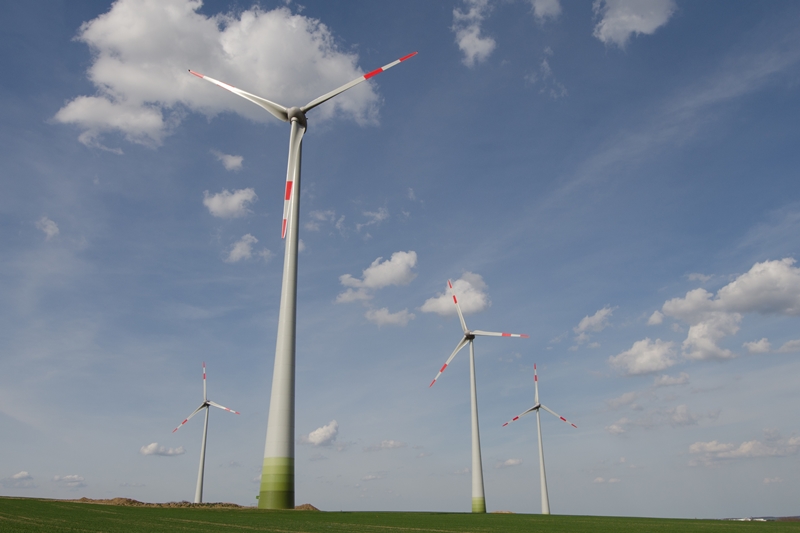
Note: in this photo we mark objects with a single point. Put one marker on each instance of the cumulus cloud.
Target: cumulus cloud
(508, 463)
(618, 427)
(472, 297)
(228, 204)
(681, 416)
(243, 249)
(323, 436)
(154, 449)
(655, 319)
(385, 445)
(669, 381)
(645, 356)
(20, 480)
(49, 228)
(544, 9)
(230, 162)
(620, 19)
(769, 288)
(595, 323)
(71, 482)
(761, 346)
(790, 347)
(382, 317)
(773, 445)
(475, 46)
(142, 49)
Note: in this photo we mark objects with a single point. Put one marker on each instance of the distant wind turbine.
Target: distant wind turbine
(198, 493)
(542, 477)
(277, 474)
(478, 496)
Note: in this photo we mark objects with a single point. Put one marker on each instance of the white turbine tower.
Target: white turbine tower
(478, 496)
(277, 474)
(198, 493)
(537, 407)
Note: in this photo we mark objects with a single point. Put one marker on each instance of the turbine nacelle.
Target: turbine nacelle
(296, 114)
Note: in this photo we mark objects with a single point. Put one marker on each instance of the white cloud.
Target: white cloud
(595, 323)
(769, 288)
(543, 9)
(386, 445)
(668, 381)
(761, 346)
(618, 427)
(773, 445)
(472, 297)
(645, 356)
(373, 217)
(243, 249)
(467, 27)
(72, 481)
(323, 436)
(768, 480)
(625, 399)
(681, 416)
(696, 276)
(318, 217)
(228, 204)
(655, 319)
(397, 270)
(614, 480)
(49, 228)
(508, 463)
(382, 317)
(230, 162)
(790, 347)
(622, 18)
(599, 480)
(20, 480)
(142, 49)
(154, 449)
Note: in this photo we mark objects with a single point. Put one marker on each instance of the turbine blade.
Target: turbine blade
(188, 417)
(498, 334)
(295, 142)
(521, 415)
(325, 97)
(559, 416)
(276, 110)
(205, 397)
(463, 342)
(535, 385)
(458, 307)
(223, 407)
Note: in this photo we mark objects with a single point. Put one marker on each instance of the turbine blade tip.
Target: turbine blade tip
(525, 336)
(432, 382)
(409, 56)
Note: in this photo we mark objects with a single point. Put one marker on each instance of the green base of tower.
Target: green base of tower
(478, 505)
(277, 483)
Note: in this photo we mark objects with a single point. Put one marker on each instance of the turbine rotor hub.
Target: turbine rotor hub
(295, 113)
(469, 335)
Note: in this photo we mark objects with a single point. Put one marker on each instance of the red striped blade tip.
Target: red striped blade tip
(449, 284)
(504, 425)
(573, 425)
(525, 335)
(409, 56)
(196, 74)
(432, 382)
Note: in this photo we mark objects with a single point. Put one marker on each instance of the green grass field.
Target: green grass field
(29, 515)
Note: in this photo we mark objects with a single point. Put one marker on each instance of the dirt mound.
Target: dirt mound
(306, 507)
(502, 512)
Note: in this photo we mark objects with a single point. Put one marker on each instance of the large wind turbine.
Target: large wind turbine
(478, 496)
(537, 407)
(277, 475)
(198, 493)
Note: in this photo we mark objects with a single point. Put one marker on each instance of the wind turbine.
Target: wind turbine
(277, 474)
(478, 496)
(198, 493)
(537, 407)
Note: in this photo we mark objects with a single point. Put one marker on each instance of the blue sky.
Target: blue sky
(616, 179)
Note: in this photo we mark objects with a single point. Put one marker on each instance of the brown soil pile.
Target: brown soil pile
(306, 507)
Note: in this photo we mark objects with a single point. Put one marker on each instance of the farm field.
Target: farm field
(33, 515)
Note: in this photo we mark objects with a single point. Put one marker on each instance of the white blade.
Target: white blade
(521, 415)
(188, 417)
(463, 342)
(324, 98)
(295, 142)
(458, 307)
(204, 381)
(498, 334)
(223, 407)
(535, 385)
(558, 416)
(276, 109)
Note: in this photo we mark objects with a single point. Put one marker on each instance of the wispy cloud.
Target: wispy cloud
(48, 227)
(475, 46)
(621, 19)
(154, 449)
